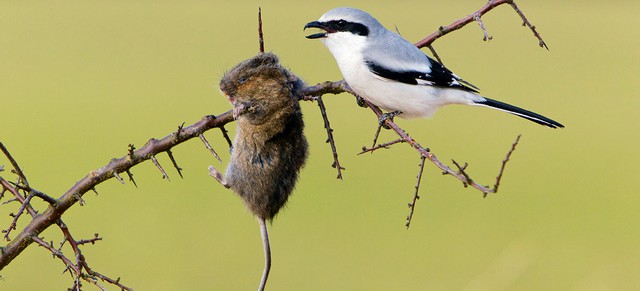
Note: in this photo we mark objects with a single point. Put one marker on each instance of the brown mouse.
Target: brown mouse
(269, 148)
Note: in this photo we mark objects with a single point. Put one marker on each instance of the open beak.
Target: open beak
(320, 25)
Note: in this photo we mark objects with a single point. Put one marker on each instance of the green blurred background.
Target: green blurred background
(82, 79)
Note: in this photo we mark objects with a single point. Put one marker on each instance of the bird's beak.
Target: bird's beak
(316, 24)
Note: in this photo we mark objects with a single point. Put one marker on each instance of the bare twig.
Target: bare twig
(56, 253)
(38, 194)
(443, 30)
(81, 261)
(92, 240)
(9, 201)
(504, 163)
(525, 22)
(416, 196)
(461, 170)
(330, 139)
(486, 37)
(260, 34)
(381, 146)
(14, 222)
(17, 196)
(14, 164)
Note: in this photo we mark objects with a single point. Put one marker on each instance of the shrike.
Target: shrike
(390, 72)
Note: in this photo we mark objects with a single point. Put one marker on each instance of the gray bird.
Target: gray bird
(390, 72)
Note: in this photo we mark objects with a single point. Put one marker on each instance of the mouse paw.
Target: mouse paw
(218, 176)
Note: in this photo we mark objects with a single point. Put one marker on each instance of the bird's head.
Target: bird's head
(344, 25)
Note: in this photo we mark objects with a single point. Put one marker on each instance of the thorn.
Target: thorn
(79, 199)
(164, 174)
(177, 136)
(115, 174)
(208, 146)
(225, 133)
(397, 30)
(131, 178)
(435, 54)
(175, 164)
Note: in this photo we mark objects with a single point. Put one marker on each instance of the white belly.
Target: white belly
(412, 100)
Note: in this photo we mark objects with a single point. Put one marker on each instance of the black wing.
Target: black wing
(439, 76)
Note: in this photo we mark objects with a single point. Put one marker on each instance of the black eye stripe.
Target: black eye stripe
(343, 25)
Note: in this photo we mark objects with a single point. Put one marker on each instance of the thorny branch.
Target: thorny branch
(416, 194)
(57, 207)
(443, 30)
(327, 127)
(77, 268)
(54, 212)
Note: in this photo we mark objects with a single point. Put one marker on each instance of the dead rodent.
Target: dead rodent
(269, 148)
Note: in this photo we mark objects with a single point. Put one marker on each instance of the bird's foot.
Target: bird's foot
(360, 102)
(388, 116)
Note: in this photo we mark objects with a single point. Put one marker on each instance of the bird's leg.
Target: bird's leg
(360, 102)
(381, 124)
(389, 116)
(267, 253)
(218, 176)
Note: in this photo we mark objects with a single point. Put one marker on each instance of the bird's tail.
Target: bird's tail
(535, 117)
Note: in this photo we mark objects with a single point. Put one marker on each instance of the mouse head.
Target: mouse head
(260, 87)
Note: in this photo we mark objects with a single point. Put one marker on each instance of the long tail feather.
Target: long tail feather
(535, 117)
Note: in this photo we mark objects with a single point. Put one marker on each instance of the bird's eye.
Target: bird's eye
(341, 23)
